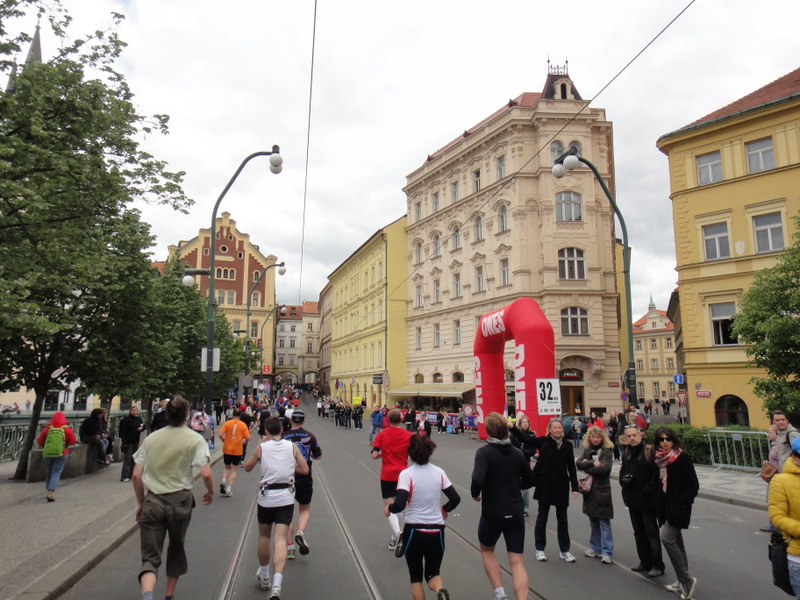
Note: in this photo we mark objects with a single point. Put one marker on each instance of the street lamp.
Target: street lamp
(275, 166)
(568, 161)
(282, 309)
(281, 271)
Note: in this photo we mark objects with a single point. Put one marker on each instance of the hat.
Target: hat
(298, 416)
(796, 445)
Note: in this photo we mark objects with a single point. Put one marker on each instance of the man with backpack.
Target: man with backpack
(54, 440)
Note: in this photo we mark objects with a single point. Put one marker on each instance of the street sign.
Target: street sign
(377, 378)
(468, 409)
(624, 396)
(204, 361)
(265, 369)
(678, 379)
(682, 397)
(703, 393)
(548, 395)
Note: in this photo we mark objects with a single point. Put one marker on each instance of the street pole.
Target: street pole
(566, 162)
(275, 167)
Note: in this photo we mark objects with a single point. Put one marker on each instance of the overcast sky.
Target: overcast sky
(394, 81)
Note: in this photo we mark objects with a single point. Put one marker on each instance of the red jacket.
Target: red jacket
(58, 420)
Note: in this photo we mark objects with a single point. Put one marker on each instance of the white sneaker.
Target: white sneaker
(673, 587)
(393, 541)
(262, 581)
(275, 594)
(567, 557)
(540, 555)
(590, 554)
(606, 560)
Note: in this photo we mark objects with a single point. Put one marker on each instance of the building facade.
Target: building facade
(325, 338)
(488, 223)
(734, 187)
(367, 319)
(654, 353)
(239, 264)
(288, 340)
(308, 361)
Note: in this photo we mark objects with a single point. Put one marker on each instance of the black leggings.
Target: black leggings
(423, 543)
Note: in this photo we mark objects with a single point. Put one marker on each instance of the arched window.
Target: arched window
(571, 264)
(436, 245)
(574, 321)
(556, 149)
(568, 206)
(437, 378)
(418, 253)
(219, 273)
(458, 377)
(478, 229)
(419, 378)
(503, 218)
(578, 146)
(731, 410)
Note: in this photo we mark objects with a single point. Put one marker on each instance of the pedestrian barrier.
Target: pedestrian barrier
(744, 450)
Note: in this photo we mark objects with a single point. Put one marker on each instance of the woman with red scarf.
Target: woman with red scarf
(679, 487)
(55, 464)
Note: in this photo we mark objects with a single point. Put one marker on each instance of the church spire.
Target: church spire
(652, 304)
(34, 56)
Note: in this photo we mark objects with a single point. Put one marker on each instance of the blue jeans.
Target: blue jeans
(53, 467)
(794, 577)
(373, 431)
(601, 540)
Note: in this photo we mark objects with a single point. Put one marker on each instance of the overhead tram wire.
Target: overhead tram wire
(308, 150)
(563, 127)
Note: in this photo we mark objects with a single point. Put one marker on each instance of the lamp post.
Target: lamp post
(281, 270)
(275, 166)
(568, 161)
(282, 309)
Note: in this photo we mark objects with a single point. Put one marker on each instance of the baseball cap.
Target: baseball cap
(298, 416)
(796, 445)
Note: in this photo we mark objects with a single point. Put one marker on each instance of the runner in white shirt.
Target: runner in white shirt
(423, 535)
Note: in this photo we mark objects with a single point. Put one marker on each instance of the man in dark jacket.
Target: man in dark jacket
(130, 432)
(500, 472)
(638, 477)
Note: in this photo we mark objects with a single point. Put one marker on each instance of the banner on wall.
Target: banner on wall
(534, 359)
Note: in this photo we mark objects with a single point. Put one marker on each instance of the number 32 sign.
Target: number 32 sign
(549, 396)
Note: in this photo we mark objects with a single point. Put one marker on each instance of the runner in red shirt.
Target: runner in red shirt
(391, 445)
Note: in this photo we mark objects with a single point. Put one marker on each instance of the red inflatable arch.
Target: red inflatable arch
(524, 322)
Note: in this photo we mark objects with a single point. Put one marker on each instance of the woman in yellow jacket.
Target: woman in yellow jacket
(784, 511)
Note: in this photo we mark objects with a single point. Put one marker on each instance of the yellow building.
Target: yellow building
(367, 319)
(735, 186)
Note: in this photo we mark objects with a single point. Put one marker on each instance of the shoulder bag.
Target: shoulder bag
(585, 483)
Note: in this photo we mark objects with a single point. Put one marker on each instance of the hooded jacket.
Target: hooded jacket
(500, 472)
(784, 504)
(58, 420)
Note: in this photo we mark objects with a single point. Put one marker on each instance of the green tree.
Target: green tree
(73, 268)
(769, 321)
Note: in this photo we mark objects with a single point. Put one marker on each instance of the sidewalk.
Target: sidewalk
(49, 546)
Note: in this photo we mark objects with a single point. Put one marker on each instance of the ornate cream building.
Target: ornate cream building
(488, 223)
(654, 353)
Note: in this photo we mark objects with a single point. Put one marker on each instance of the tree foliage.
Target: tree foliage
(73, 267)
(769, 321)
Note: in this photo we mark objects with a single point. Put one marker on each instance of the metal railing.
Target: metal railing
(744, 450)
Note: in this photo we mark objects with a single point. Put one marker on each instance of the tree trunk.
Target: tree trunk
(30, 436)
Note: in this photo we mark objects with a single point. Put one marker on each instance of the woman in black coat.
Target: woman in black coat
(555, 475)
(524, 438)
(679, 487)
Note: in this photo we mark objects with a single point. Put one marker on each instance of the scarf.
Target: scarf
(504, 441)
(557, 440)
(663, 459)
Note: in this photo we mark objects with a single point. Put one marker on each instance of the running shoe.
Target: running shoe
(442, 594)
(673, 587)
(300, 540)
(290, 553)
(688, 592)
(263, 582)
(540, 555)
(590, 554)
(393, 541)
(400, 547)
(222, 488)
(567, 557)
(275, 594)
(606, 560)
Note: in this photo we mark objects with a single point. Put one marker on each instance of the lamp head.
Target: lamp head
(187, 281)
(559, 170)
(281, 270)
(276, 160)
(571, 162)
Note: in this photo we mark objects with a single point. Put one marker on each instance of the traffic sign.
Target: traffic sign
(678, 379)
(682, 397)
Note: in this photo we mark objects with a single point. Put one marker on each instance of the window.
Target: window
(436, 335)
(671, 389)
(503, 218)
(709, 168)
(501, 167)
(638, 344)
(556, 149)
(256, 275)
(418, 211)
(437, 289)
(668, 343)
(640, 385)
(418, 253)
(436, 246)
(571, 264)
(435, 201)
(476, 180)
(418, 295)
(759, 155)
(574, 321)
(456, 285)
(656, 389)
(236, 325)
(309, 348)
(769, 232)
(256, 297)
(280, 360)
(454, 191)
(654, 364)
(281, 343)
(715, 241)
(479, 279)
(418, 338)
(577, 146)
(456, 238)
(231, 297)
(639, 364)
(653, 344)
(478, 229)
(721, 321)
(456, 332)
(253, 329)
(292, 327)
(504, 276)
(310, 327)
(220, 296)
(292, 343)
(568, 206)
(372, 275)
(670, 363)
(291, 360)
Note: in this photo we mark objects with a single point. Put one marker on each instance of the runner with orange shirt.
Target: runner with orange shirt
(233, 433)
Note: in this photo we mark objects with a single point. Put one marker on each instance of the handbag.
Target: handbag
(585, 483)
(767, 472)
(776, 551)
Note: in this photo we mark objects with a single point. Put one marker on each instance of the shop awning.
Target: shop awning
(442, 390)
